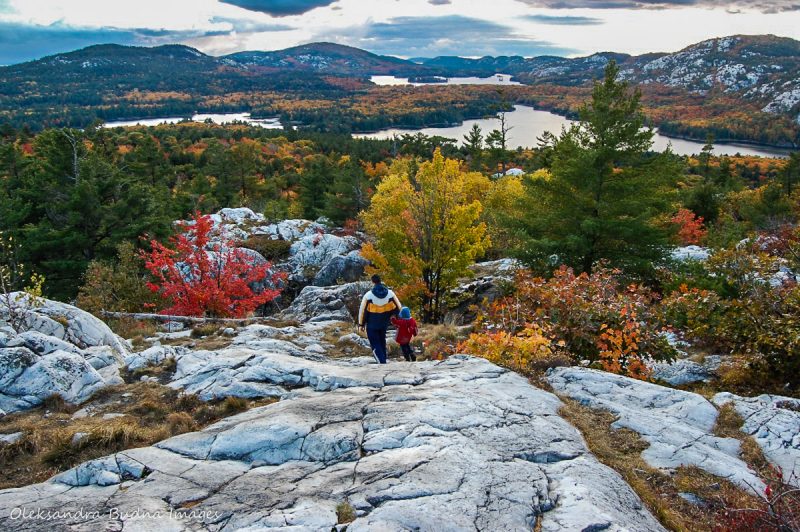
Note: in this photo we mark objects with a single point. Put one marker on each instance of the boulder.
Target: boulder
(332, 303)
(678, 425)
(448, 445)
(342, 268)
(68, 323)
(774, 422)
(153, 356)
(28, 378)
(485, 287)
(683, 371)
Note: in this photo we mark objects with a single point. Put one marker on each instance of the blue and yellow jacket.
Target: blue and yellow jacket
(377, 308)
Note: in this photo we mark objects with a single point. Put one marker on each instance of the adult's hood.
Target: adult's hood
(380, 291)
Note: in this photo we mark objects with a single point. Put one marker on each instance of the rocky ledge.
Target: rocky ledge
(453, 445)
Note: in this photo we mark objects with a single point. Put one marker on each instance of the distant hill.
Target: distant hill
(327, 58)
(720, 79)
(763, 69)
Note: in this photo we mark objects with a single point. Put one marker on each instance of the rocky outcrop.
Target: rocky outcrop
(316, 255)
(774, 422)
(453, 445)
(64, 351)
(485, 286)
(678, 425)
(343, 268)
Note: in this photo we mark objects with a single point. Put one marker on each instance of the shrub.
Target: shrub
(752, 315)
(777, 511)
(271, 249)
(525, 351)
(204, 278)
(119, 286)
(575, 310)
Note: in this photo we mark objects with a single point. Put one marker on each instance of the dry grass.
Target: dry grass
(345, 513)
(438, 341)
(151, 413)
(621, 450)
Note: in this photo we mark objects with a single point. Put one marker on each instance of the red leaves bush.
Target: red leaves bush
(586, 317)
(200, 278)
(777, 511)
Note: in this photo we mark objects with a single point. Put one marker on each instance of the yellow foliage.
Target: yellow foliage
(427, 229)
(520, 352)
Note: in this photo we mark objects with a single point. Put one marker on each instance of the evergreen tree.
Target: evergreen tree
(473, 143)
(348, 193)
(604, 189)
(791, 173)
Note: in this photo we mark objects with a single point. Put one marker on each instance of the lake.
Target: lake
(497, 79)
(224, 118)
(528, 124)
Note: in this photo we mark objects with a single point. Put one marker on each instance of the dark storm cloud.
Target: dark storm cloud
(25, 42)
(446, 35)
(279, 8)
(765, 6)
(564, 20)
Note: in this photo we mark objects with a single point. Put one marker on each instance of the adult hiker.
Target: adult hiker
(378, 306)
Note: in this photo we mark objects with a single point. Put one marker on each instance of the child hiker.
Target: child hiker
(406, 330)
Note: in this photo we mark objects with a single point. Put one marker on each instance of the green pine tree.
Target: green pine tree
(604, 191)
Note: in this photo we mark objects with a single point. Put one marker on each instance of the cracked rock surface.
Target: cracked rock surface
(678, 425)
(774, 422)
(453, 445)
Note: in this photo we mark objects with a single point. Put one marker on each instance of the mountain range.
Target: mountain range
(762, 73)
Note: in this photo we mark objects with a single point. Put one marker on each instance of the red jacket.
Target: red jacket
(406, 329)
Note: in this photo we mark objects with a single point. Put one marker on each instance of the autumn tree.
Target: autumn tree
(427, 231)
(604, 189)
(689, 227)
(201, 277)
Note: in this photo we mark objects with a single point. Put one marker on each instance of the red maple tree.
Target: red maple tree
(690, 227)
(200, 278)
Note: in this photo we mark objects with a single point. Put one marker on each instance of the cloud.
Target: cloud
(279, 8)
(25, 42)
(565, 20)
(439, 2)
(765, 6)
(444, 35)
(243, 25)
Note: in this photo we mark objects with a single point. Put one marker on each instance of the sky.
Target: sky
(30, 29)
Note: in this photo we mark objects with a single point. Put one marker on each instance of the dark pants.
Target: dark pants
(377, 339)
(408, 353)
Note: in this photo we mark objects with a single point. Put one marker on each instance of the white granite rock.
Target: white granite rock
(9, 439)
(331, 303)
(28, 379)
(774, 422)
(453, 445)
(71, 324)
(678, 425)
(153, 356)
(687, 253)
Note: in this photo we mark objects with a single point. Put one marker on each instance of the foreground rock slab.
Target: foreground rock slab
(453, 445)
(678, 425)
